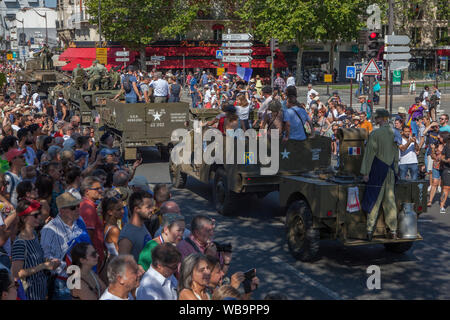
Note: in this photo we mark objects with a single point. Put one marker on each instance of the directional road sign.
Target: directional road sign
(237, 44)
(237, 51)
(399, 65)
(391, 39)
(219, 54)
(122, 59)
(158, 58)
(389, 49)
(358, 66)
(372, 69)
(397, 56)
(380, 65)
(152, 63)
(122, 53)
(237, 59)
(236, 36)
(350, 72)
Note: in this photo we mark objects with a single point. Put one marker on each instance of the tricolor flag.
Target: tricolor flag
(354, 151)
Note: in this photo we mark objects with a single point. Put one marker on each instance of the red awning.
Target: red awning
(77, 53)
(73, 64)
(443, 53)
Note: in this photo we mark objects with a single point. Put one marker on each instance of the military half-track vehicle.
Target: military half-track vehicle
(40, 80)
(138, 125)
(313, 195)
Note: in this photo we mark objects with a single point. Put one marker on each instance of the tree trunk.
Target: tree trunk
(299, 63)
(142, 58)
(331, 62)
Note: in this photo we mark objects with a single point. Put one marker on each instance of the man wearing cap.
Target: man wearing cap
(140, 183)
(308, 94)
(365, 107)
(401, 114)
(16, 160)
(379, 166)
(60, 235)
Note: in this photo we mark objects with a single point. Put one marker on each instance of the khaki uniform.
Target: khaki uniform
(78, 77)
(94, 75)
(381, 145)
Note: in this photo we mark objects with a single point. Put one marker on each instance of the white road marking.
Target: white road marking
(303, 277)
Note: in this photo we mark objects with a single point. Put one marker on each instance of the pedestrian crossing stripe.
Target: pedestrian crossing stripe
(354, 151)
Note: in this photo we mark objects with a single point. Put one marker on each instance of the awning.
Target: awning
(443, 52)
(73, 64)
(78, 53)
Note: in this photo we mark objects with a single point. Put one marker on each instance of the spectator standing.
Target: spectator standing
(445, 161)
(129, 85)
(279, 84)
(8, 288)
(160, 89)
(295, 118)
(16, 160)
(365, 107)
(443, 123)
(174, 90)
(365, 124)
(172, 232)
(308, 94)
(134, 235)
(159, 282)
(408, 157)
(194, 278)
(123, 277)
(290, 80)
(92, 191)
(28, 263)
(85, 256)
(243, 111)
(436, 153)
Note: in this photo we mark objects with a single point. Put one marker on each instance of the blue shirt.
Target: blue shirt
(131, 94)
(445, 128)
(193, 82)
(297, 131)
(397, 137)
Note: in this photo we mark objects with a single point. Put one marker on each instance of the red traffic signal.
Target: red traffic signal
(373, 35)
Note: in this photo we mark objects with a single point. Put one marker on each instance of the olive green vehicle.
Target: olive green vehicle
(40, 80)
(139, 125)
(313, 196)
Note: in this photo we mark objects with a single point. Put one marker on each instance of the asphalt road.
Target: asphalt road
(258, 238)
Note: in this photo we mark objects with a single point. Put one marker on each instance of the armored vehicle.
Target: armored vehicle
(318, 204)
(137, 125)
(314, 196)
(40, 80)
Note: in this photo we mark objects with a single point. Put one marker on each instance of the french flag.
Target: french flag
(354, 151)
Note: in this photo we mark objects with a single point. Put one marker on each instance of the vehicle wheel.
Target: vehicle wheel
(224, 200)
(303, 240)
(399, 247)
(177, 177)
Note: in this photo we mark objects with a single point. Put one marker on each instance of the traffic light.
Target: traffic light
(22, 39)
(273, 44)
(373, 44)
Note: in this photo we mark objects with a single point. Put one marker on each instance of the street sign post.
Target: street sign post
(102, 55)
(236, 37)
(152, 63)
(237, 44)
(398, 65)
(372, 69)
(237, 59)
(219, 54)
(158, 58)
(393, 39)
(123, 59)
(122, 53)
(237, 51)
(397, 56)
(350, 73)
(328, 78)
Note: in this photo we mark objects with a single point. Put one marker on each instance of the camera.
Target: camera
(224, 247)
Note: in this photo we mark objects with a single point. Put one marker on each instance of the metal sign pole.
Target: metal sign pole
(387, 85)
(351, 91)
(271, 62)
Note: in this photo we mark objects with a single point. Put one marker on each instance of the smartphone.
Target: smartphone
(250, 274)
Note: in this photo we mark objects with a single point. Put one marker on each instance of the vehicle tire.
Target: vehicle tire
(177, 177)
(399, 247)
(224, 199)
(303, 240)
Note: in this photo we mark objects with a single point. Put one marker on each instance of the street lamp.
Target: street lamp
(42, 16)
(18, 39)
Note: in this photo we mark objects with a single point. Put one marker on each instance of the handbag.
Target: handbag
(306, 126)
(377, 87)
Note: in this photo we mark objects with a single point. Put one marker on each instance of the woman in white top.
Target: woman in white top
(243, 110)
(113, 211)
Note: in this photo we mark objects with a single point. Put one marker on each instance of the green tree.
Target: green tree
(137, 23)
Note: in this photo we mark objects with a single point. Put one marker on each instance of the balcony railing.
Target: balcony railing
(77, 19)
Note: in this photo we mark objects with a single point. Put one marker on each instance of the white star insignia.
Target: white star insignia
(157, 116)
(285, 154)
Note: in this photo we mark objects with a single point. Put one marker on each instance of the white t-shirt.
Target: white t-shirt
(17, 180)
(207, 97)
(308, 99)
(243, 112)
(290, 82)
(109, 296)
(409, 155)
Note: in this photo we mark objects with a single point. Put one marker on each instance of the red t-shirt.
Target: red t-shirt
(57, 134)
(88, 211)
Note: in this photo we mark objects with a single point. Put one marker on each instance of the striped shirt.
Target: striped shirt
(31, 253)
(55, 237)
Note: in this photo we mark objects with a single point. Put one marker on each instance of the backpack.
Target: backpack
(127, 84)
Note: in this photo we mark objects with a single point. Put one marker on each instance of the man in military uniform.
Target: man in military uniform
(380, 163)
(115, 77)
(78, 77)
(46, 58)
(94, 74)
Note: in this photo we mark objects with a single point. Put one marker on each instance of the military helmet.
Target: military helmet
(381, 113)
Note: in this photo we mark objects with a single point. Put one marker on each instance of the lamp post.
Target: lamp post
(42, 16)
(23, 47)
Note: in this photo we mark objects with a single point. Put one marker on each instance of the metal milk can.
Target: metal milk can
(407, 222)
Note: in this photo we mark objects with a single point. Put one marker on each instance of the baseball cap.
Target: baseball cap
(141, 182)
(80, 154)
(11, 154)
(69, 143)
(66, 200)
(107, 151)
